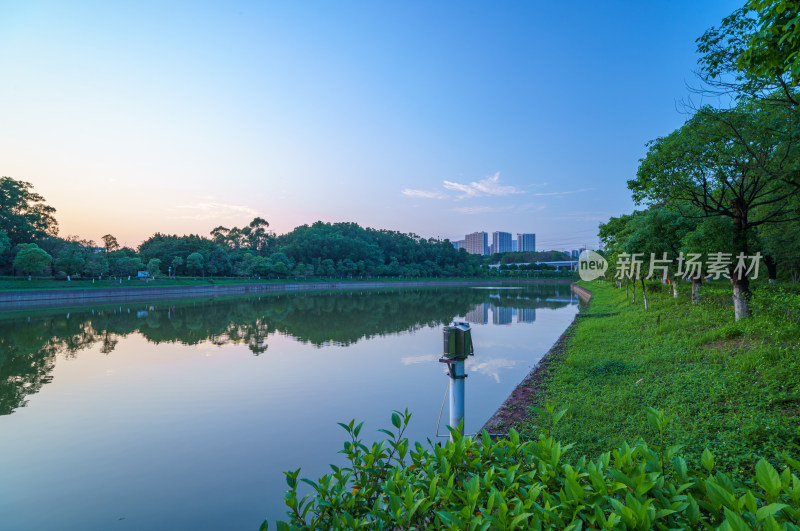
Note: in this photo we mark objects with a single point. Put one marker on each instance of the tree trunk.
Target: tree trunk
(697, 282)
(627, 283)
(664, 277)
(772, 269)
(741, 286)
(741, 297)
(633, 289)
(644, 294)
(675, 288)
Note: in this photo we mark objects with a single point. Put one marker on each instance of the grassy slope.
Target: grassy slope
(733, 387)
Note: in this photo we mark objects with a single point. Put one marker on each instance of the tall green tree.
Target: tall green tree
(23, 214)
(194, 263)
(125, 265)
(154, 267)
(709, 165)
(70, 259)
(31, 259)
(176, 263)
(96, 265)
(110, 242)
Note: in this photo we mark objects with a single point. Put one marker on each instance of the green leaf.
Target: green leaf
(664, 512)
(558, 416)
(653, 418)
(750, 502)
(519, 519)
(769, 510)
(719, 495)
(574, 490)
(291, 478)
(768, 478)
(708, 460)
(693, 511)
(735, 521)
(794, 463)
(396, 420)
(770, 524)
(672, 451)
(264, 526)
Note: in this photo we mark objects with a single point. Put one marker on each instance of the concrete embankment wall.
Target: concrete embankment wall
(20, 300)
(583, 294)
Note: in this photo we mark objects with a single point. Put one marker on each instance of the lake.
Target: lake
(185, 414)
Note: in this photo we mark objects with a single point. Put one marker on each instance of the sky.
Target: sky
(433, 118)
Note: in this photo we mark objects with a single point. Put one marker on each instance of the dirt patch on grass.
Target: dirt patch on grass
(739, 343)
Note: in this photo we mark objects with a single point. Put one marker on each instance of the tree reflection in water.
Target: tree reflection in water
(29, 344)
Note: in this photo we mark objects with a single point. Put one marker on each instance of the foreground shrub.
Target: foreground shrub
(509, 484)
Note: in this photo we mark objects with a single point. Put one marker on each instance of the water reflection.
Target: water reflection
(30, 343)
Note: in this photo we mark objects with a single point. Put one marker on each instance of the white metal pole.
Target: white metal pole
(457, 396)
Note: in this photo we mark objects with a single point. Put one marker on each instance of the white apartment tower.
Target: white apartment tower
(477, 243)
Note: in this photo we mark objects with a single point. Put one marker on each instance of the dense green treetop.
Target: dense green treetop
(717, 163)
(23, 215)
(755, 52)
(31, 259)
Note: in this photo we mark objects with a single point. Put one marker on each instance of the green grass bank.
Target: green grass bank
(733, 387)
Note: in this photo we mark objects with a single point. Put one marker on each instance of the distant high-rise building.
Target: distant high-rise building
(502, 315)
(513, 246)
(526, 242)
(477, 243)
(576, 253)
(479, 315)
(501, 242)
(526, 315)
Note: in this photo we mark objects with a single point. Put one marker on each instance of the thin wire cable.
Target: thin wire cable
(439, 422)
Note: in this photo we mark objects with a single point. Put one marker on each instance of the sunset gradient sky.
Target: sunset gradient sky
(437, 118)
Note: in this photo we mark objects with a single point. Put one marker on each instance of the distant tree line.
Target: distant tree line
(30, 245)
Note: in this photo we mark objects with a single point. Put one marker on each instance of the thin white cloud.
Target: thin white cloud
(532, 206)
(491, 367)
(481, 209)
(489, 186)
(563, 193)
(424, 194)
(213, 210)
(413, 360)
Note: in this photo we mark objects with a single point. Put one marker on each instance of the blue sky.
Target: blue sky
(437, 118)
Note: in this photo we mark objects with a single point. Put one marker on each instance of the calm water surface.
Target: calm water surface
(183, 415)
